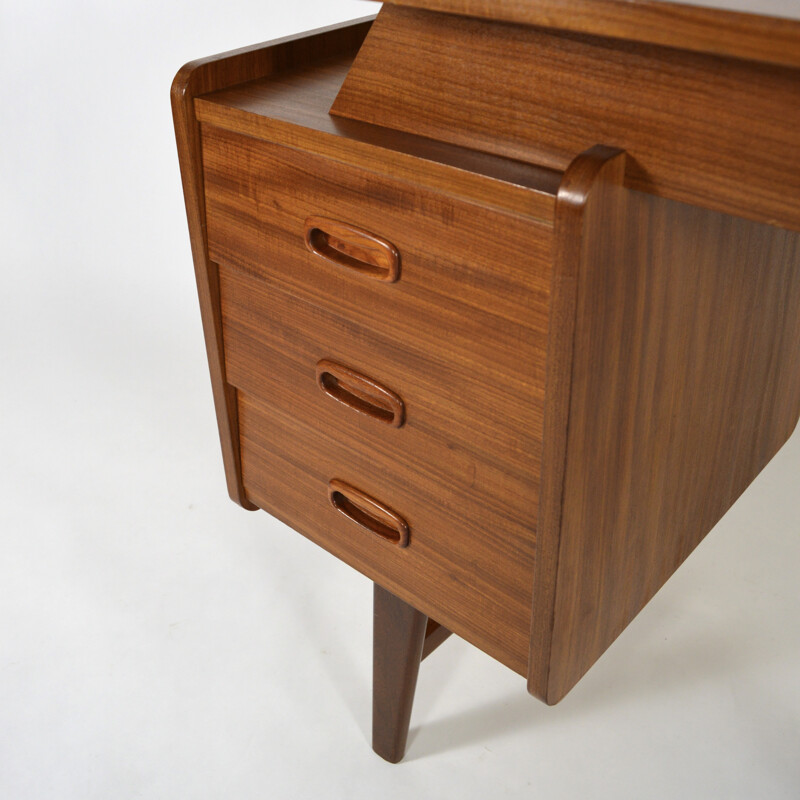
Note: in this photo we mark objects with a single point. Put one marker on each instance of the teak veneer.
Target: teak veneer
(502, 305)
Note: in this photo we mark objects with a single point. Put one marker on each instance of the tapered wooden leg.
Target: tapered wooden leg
(401, 638)
(397, 641)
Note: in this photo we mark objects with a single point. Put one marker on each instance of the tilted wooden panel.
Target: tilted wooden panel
(715, 132)
(702, 26)
(292, 109)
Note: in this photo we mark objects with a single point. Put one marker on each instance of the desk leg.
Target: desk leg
(401, 638)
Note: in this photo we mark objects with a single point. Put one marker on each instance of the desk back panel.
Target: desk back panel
(714, 132)
(673, 379)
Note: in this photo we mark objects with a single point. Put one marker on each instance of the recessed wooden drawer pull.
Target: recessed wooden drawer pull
(360, 393)
(368, 512)
(354, 248)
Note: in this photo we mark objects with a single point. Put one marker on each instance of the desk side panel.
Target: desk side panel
(685, 382)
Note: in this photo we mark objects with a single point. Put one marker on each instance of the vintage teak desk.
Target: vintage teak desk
(502, 305)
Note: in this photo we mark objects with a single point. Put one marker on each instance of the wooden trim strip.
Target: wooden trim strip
(587, 202)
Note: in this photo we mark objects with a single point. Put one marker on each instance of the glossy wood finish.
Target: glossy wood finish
(718, 133)
(493, 314)
(292, 109)
(588, 343)
(208, 75)
(399, 635)
(589, 206)
(683, 383)
(471, 512)
(368, 513)
(486, 470)
(763, 33)
(460, 337)
(447, 571)
(353, 248)
(360, 392)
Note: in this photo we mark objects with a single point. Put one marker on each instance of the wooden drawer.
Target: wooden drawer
(273, 341)
(465, 576)
(474, 280)
(471, 503)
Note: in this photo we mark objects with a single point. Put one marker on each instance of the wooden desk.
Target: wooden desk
(502, 305)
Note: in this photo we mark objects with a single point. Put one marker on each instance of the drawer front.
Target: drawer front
(390, 341)
(273, 342)
(473, 284)
(458, 569)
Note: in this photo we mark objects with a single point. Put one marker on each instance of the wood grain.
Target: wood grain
(594, 354)
(470, 504)
(470, 578)
(360, 393)
(206, 75)
(292, 109)
(684, 384)
(589, 207)
(352, 248)
(714, 132)
(474, 290)
(398, 636)
(368, 513)
(273, 340)
(763, 33)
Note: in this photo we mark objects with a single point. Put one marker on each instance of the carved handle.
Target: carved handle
(367, 512)
(360, 393)
(353, 248)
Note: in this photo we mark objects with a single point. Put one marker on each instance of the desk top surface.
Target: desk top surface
(761, 30)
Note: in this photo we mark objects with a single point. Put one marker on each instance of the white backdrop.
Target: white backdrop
(156, 641)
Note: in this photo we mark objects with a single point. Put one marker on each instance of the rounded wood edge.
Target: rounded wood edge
(198, 77)
(187, 76)
(583, 174)
(600, 167)
(241, 499)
